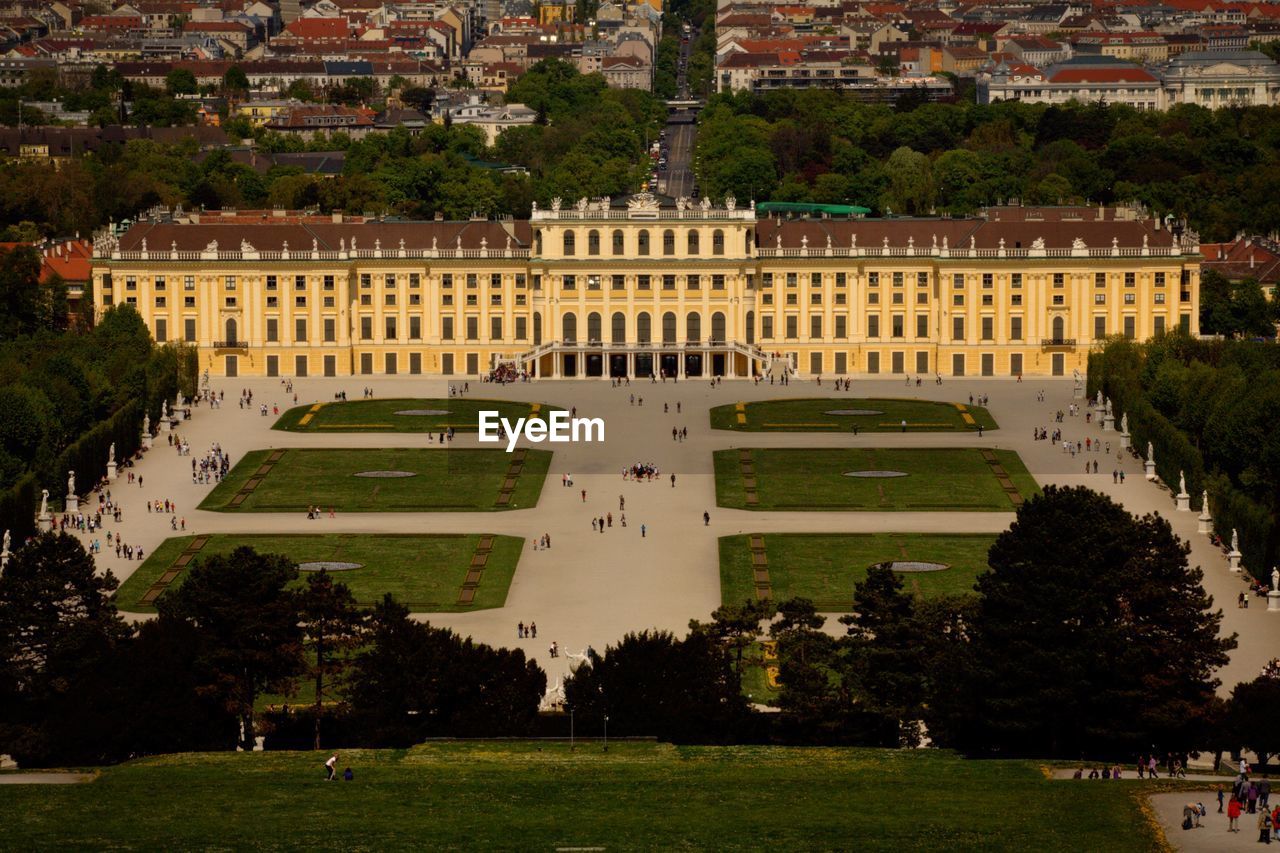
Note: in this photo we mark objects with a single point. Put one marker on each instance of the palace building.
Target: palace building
(644, 285)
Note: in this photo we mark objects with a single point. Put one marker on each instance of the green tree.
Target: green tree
(235, 81)
(733, 628)
(1250, 717)
(910, 177)
(333, 627)
(180, 81)
(242, 605)
(1091, 635)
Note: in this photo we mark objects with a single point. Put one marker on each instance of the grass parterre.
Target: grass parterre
(424, 572)
(444, 479)
(837, 414)
(403, 414)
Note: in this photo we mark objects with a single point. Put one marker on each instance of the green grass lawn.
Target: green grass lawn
(445, 480)
(424, 572)
(813, 479)
(461, 413)
(540, 796)
(824, 567)
(811, 415)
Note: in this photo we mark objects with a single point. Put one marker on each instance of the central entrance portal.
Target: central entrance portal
(670, 364)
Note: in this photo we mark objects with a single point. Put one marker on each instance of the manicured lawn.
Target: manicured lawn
(424, 572)
(540, 796)
(444, 480)
(824, 567)
(813, 479)
(815, 415)
(461, 413)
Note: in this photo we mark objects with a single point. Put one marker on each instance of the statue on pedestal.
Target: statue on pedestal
(1204, 502)
(1235, 541)
(146, 424)
(44, 503)
(1124, 422)
(1151, 452)
(71, 483)
(164, 409)
(1182, 483)
(111, 454)
(1275, 579)
(5, 549)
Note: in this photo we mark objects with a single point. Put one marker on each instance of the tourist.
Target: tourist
(520, 630)
(1222, 796)
(1233, 815)
(706, 518)
(643, 530)
(330, 768)
(1264, 827)
(533, 630)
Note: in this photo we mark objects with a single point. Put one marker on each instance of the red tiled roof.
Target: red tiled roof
(1105, 74)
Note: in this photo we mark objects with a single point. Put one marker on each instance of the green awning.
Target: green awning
(800, 207)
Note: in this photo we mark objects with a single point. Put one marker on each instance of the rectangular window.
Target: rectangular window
(496, 298)
(189, 302)
(988, 281)
(957, 281)
(793, 326)
(366, 280)
(162, 330)
(642, 282)
(300, 302)
(446, 281)
(189, 329)
(328, 282)
(619, 282)
(1015, 328)
(922, 297)
(717, 282)
(159, 284)
(1130, 298)
(841, 279)
(300, 329)
(273, 302)
(415, 328)
(366, 328)
(957, 328)
(1015, 280)
(472, 281)
(766, 327)
(473, 328)
(273, 330)
(299, 282)
(791, 279)
(1059, 299)
(1015, 299)
(1159, 279)
(898, 322)
(1130, 323)
(988, 328)
(230, 282)
(957, 299)
(446, 328)
(922, 325)
(495, 328)
(189, 283)
(593, 283)
(415, 280)
(1159, 325)
(1159, 298)
(842, 326)
(873, 279)
(522, 328)
(390, 328)
(1059, 279)
(692, 282)
(815, 298)
(130, 283)
(1130, 279)
(873, 326)
(570, 282)
(161, 301)
(922, 279)
(897, 279)
(330, 330)
(873, 362)
(668, 282)
(815, 327)
(1099, 327)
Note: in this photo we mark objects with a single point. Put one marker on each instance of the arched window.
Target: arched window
(693, 242)
(570, 243)
(747, 239)
(669, 328)
(717, 242)
(537, 328)
(570, 324)
(644, 328)
(593, 242)
(751, 327)
(642, 242)
(693, 327)
(537, 244)
(619, 330)
(668, 242)
(593, 327)
(231, 330)
(717, 328)
(1058, 329)
(617, 242)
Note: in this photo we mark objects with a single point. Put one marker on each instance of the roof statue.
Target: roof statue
(730, 202)
(246, 246)
(643, 201)
(555, 204)
(1038, 244)
(1077, 243)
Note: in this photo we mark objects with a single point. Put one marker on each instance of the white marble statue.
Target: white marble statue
(1182, 482)
(146, 424)
(1151, 452)
(111, 454)
(1275, 579)
(1124, 423)
(1235, 541)
(164, 409)
(71, 483)
(44, 503)
(1099, 403)
(5, 549)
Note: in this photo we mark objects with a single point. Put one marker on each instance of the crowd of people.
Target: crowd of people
(507, 373)
(211, 467)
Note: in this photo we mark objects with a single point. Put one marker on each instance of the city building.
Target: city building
(642, 285)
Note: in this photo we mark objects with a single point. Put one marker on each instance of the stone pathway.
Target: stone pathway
(24, 778)
(591, 588)
(1212, 835)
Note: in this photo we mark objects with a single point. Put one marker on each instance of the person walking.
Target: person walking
(1233, 815)
(643, 530)
(584, 495)
(706, 518)
(1264, 827)
(673, 481)
(622, 503)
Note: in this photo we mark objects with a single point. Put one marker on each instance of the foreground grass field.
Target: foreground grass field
(814, 479)
(526, 796)
(423, 572)
(444, 480)
(824, 567)
(384, 415)
(816, 415)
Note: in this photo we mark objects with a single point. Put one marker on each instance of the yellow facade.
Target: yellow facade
(604, 290)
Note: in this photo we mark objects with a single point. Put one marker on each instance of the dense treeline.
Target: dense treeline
(1209, 409)
(80, 686)
(1220, 169)
(1236, 308)
(68, 392)
(1101, 645)
(589, 141)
